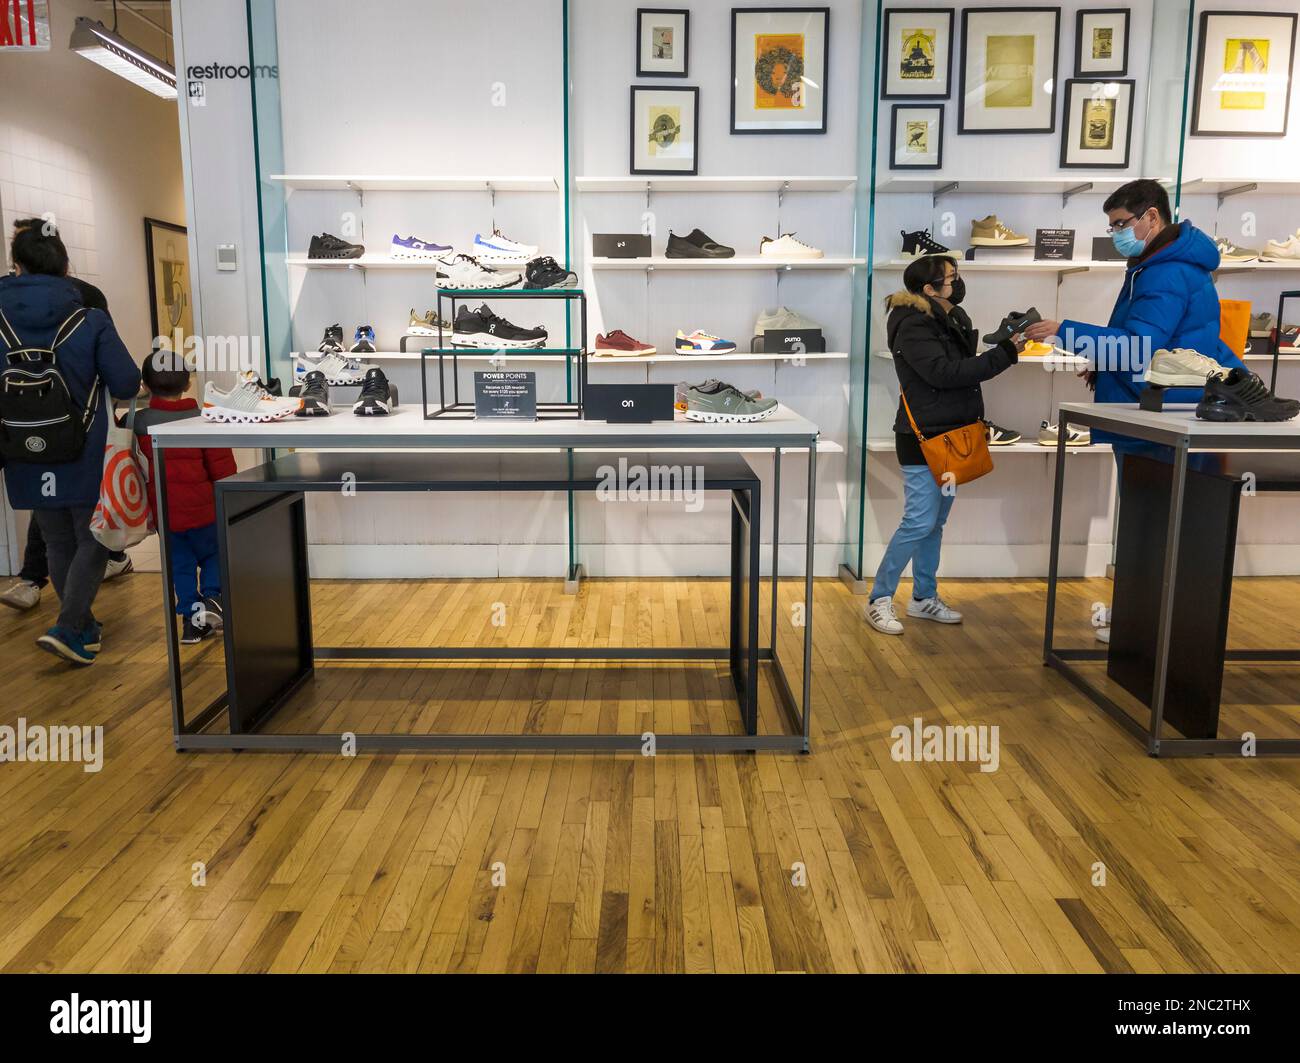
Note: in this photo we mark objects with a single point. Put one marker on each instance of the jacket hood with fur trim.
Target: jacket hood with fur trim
(910, 300)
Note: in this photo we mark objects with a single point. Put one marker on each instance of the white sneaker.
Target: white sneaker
(935, 609)
(1182, 368)
(788, 247)
(1103, 634)
(339, 369)
(118, 568)
(781, 318)
(1287, 250)
(245, 403)
(468, 273)
(22, 596)
(499, 250)
(880, 615)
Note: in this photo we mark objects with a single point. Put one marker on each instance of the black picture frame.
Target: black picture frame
(1194, 128)
(893, 134)
(150, 226)
(825, 12)
(694, 92)
(884, 58)
(1110, 75)
(961, 88)
(686, 42)
(1067, 132)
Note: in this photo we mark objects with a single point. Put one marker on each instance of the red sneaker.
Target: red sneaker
(618, 344)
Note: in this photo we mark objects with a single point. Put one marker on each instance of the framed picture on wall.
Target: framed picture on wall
(662, 42)
(918, 54)
(1101, 42)
(779, 61)
(1244, 67)
(916, 136)
(1008, 69)
(664, 125)
(1097, 126)
(167, 258)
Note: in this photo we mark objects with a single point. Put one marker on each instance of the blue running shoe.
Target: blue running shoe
(363, 340)
(421, 250)
(67, 644)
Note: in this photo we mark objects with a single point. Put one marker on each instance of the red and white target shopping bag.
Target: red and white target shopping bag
(123, 517)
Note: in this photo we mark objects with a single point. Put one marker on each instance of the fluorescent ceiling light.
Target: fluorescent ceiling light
(101, 45)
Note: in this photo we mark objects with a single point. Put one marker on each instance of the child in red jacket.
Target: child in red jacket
(191, 509)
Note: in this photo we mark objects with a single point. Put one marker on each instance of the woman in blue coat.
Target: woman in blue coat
(63, 496)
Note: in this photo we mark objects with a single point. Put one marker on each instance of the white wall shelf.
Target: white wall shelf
(1072, 265)
(401, 183)
(929, 186)
(1053, 363)
(1240, 185)
(688, 183)
(886, 446)
(657, 262)
(698, 359)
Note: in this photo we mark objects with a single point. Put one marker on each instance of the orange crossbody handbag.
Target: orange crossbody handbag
(955, 457)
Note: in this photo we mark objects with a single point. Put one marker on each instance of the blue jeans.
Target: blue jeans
(194, 566)
(919, 536)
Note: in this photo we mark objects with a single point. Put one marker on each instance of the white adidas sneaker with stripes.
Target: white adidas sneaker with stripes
(935, 609)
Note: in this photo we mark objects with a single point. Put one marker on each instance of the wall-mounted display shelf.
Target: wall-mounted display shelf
(1075, 184)
(1054, 363)
(714, 184)
(1069, 265)
(658, 262)
(886, 446)
(412, 183)
(1233, 186)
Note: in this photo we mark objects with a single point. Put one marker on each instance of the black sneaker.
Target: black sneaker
(920, 243)
(315, 394)
(1242, 396)
(696, 245)
(332, 340)
(1015, 322)
(482, 328)
(213, 616)
(999, 436)
(545, 272)
(327, 246)
(192, 632)
(376, 396)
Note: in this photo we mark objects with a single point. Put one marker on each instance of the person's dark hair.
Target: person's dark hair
(165, 374)
(1137, 197)
(928, 269)
(38, 252)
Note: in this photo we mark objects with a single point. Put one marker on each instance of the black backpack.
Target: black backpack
(39, 422)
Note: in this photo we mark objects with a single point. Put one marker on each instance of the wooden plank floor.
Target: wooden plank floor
(1078, 854)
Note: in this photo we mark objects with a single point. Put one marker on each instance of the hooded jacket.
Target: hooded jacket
(1168, 300)
(938, 368)
(36, 305)
(191, 471)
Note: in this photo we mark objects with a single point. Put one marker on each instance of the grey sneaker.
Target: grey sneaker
(1182, 368)
(1230, 252)
(777, 318)
(715, 401)
(1262, 324)
(468, 273)
(22, 596)
(1077, 437)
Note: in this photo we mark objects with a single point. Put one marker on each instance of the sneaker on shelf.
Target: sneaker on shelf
(999, 436)
(696, 244)
(413, 248)
(426, 325)
(339, 369)
(245, 403)
(1287, 250)
(679, 393)
(363, 341)
(332, 340)
(700, 342)
(1230, 252)
(271, 387)
(935, 609)
(192, 632)
(1102, 634)
(1013, 324)
(1288, 339)
(989, 232)
(211, 613)
(618, 344)
(376, 396)
(116, 568)
(327, 246)
(880, 615)
(1182, 368)
(66, 643)
(1242, 396)
(545, 272)
(484, 329)
(467, 273)
(499, 250)
(314, 391)
(787, 246)
(22, 596)
(715, 401)
(920, 242)
(1075, 436)
(782, 318)
(1262, 324)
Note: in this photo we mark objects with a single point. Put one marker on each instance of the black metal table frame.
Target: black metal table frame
(1060, 658)
(188, 733)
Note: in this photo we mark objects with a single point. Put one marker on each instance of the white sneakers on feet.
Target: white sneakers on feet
(22, 596)
(880, 615)
(935, 609)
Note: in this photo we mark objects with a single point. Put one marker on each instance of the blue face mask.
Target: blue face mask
(1127, 242)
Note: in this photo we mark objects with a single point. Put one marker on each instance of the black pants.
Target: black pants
(76, 563)
(36, 566)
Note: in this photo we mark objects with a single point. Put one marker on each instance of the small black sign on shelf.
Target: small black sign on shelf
(505, 395)
(628, 403)
(620, 245)
(792, 341)
(1053, 245)
(1103, 250)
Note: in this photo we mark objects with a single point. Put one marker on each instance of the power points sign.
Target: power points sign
(24, 25)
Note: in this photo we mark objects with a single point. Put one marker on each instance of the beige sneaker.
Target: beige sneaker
(992, 233)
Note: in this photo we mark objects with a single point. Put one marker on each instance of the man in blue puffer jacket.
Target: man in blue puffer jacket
(1168, 300)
